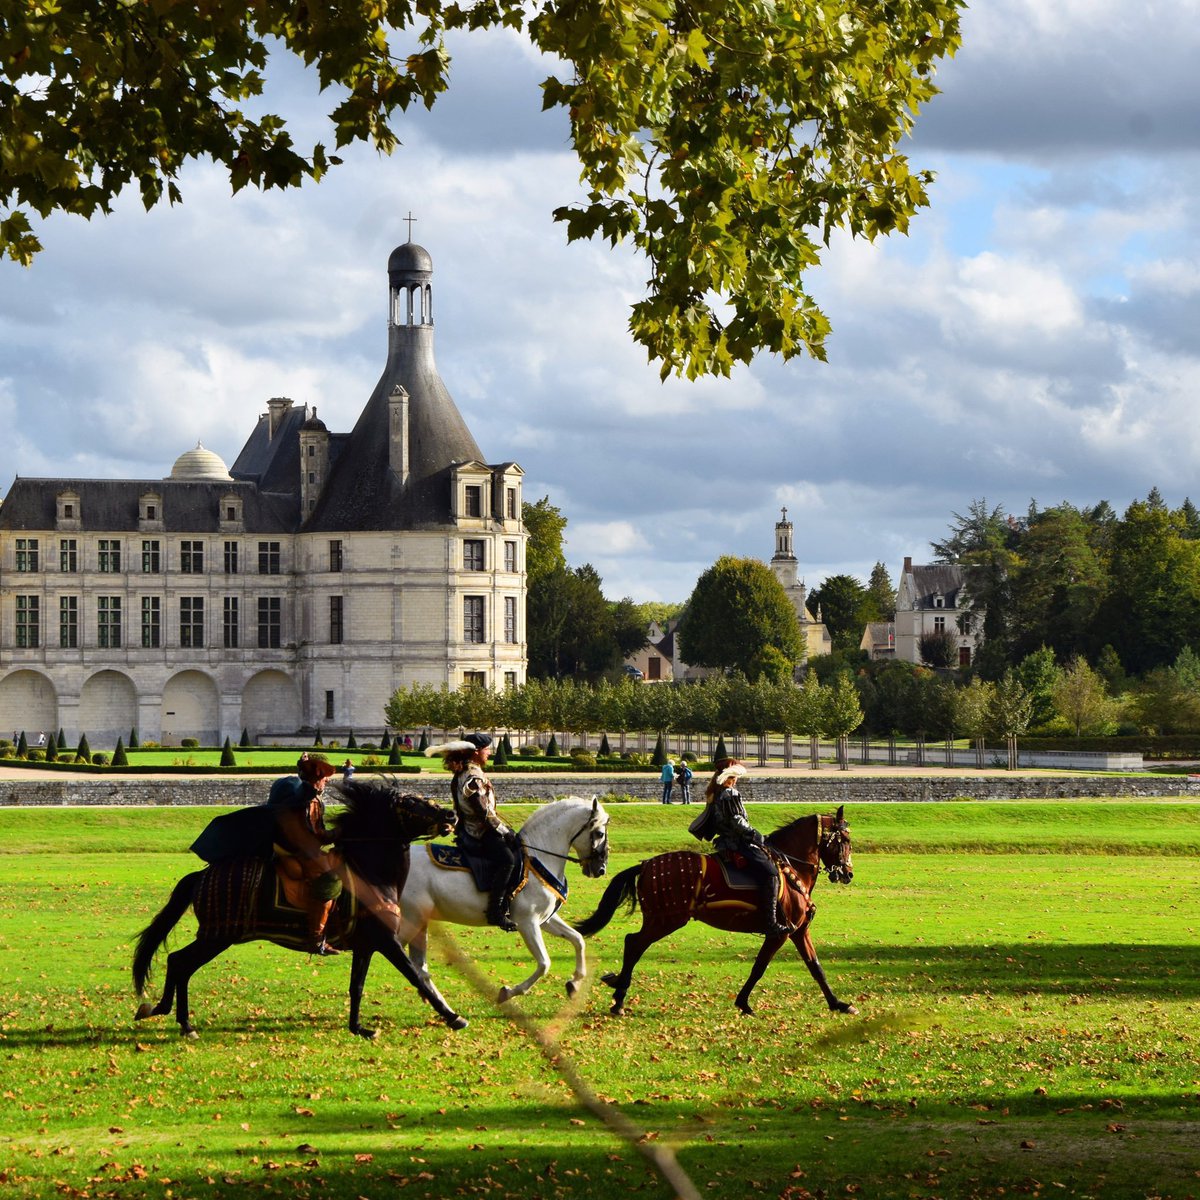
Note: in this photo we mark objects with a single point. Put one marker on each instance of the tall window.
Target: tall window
(268, 558)
(68, 554)
(68, 622)
(510, 679)
(229, 622)
(472, 618)
(29, 629)
(269, 623)
(939, 624)
(510, 618)
(191, 621)
(231, 558)
(335, 620)
(191, 557)
(472, 555)
(510, 503)
(329, 706)
(335, 554)
(477, 679)
(474, 500)
(109, 558)
(151, 622)
(27, 554)
(108, 622)
(510, 556)
(151, 556)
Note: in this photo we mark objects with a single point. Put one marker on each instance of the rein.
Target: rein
(566, 857)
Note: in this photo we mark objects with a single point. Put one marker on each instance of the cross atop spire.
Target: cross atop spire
(410, 219)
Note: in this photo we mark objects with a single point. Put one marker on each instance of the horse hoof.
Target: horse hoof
(505, 994)
(745, 1010)
(611, 980)
(572, 988)
(190, 1034)
(144, 1011)
(617, 1010)
(456, 1022)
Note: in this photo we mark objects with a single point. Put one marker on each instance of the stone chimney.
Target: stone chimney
(277, 409)
(398, 432)
(908, 564)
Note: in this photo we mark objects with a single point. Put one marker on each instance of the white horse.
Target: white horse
(549, 835)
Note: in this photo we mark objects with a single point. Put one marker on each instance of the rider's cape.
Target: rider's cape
(243, 833)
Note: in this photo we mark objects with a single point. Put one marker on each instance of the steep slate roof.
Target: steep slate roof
(363, 492)
(944, 579)
(112, 505)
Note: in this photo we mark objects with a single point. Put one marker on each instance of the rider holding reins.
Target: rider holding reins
(480, 832)
(725, 823)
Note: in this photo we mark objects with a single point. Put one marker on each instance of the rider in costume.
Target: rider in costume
(724, 821)
(480, 833)
(299, 809)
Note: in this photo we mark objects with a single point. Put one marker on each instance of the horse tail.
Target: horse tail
(153, 936)
(622, 890)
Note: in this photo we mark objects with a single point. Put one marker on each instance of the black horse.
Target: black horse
(240, 900)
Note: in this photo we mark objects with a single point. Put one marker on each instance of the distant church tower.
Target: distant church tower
(787, 571)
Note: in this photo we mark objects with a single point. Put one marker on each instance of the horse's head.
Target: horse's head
(834, 847)
(420, 817)
(591, 842)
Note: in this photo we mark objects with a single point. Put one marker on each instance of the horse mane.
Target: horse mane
(790, 825)
(365, 829)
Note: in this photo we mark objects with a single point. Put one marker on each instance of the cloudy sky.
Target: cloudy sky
(1034, 337)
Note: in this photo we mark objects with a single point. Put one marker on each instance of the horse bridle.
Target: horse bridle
(570, 842)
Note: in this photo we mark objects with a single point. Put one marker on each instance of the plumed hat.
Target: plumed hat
(730, 773)
(467, 744)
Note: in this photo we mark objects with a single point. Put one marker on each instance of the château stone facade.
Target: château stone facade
(295, 590)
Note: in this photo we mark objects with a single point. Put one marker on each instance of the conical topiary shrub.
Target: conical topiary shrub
(22, 746)
(424, 743)
(133, 739)
(351, 743)
(552, 747)
(317, 740)
(119, 758)
(227, 759)
(500, 759)
(385, 742)
(721, 751)
(394, 759)
(83, 753)
(506, 741)
(51, 750)
(660, 755)
(605, 751)
(245, 738)
(62, 740)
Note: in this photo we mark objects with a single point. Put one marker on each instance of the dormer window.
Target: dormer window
(473, 500)
(68, 510)
(231, 513)
(939, 601)
(150, 510)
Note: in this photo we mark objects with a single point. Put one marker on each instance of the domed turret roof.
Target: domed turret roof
(409, 260)
(200, 464)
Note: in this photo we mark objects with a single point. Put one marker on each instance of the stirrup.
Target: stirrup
(322, 949)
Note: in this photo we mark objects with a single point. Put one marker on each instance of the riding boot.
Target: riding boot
(773, 926)
(318, 915)
(498, 913)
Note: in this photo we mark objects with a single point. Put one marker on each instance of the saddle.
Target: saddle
(738, 875)
(452, 858)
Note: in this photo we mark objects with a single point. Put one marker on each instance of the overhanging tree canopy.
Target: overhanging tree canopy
(725, 139)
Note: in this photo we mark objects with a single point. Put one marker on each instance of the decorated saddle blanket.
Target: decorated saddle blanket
(249, 899)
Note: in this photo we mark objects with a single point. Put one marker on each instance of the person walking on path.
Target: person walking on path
(683, 781)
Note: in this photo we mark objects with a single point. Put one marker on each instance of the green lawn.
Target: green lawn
(1029, 1024)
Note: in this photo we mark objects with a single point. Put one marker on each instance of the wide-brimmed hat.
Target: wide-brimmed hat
(467, 744)
(311, 769)
(730, 773)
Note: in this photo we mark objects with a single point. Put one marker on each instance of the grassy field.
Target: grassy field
(1029, 1024)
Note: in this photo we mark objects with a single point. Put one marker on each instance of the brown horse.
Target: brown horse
(236, 901)
(684, 885)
